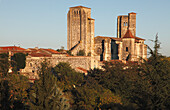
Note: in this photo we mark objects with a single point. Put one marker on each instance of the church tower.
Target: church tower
(80, 30)
(126, 22)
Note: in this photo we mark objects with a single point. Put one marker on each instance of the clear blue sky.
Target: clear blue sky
(43, 23)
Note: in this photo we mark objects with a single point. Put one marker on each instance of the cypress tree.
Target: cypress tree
(44, 94)
(157, 73)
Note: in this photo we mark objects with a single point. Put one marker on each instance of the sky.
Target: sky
(43, 23)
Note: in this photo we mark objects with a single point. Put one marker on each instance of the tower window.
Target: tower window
(124, 24)
(126, 49)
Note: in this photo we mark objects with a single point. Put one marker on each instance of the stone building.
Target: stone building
(126, 46)
(80, 36)
(80, 30)
(126, 22)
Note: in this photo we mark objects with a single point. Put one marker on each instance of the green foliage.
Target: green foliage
(61, 49)
(65, 74)
(157, 72)
(4, 95)
(81, 53)
(44, 94)
(69, 52)
(117, 77)
(13, 93)
(91, 95)
(18, 85)
(85, 92)
(19, 60)
(4, 63)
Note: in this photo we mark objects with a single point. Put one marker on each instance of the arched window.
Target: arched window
(74, 13)
(124, 24)
(126, 49)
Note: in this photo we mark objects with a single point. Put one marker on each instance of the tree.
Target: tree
(68, 75)
(69, 52)
(91, 95)
(157, 73)
(81, 53)
(19, 60)
(44, 94)
(4, 94)
(4, 64)
(61, 49)
(18, 85)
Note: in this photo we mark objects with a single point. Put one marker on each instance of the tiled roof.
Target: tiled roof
(12, 48)
(39, 55)
(82, 69)
(34, 52)
(104, 37)
(80, 7)
(132, 13)
(52, 51)
(138, 38)
(128, 35)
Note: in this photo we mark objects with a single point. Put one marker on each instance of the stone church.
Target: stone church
(125, 47)
(80, 36)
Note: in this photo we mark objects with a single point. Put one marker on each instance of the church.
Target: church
(125, 47)
(80, 37)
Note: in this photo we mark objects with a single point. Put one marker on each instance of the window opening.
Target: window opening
(126, 49)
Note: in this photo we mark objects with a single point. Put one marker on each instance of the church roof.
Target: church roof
(128, 35)
(132, 13)
(104, 37)
(138, 38)
(80, 7)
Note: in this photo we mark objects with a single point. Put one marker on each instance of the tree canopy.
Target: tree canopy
(45, 94)
(19, 60)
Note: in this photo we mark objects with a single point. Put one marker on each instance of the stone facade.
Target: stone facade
(80, 36)
(33, 64)
(126, 22)
(80, 30)
(126, 46)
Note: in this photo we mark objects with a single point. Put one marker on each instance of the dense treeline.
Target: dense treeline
(117, 86)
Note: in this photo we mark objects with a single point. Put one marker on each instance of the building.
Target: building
(80, 36)
(126, 46)
(80, 30)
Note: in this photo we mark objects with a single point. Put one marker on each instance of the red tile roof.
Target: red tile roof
(132, 13)
(52, 51)
(128, 34)
(138, 38)
(82, 69)
(39, 55)
(12, 48)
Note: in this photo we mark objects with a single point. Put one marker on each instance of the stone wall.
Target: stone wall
(86, 62)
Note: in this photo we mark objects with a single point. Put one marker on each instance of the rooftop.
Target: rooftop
(80, 7)
(128, 34)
